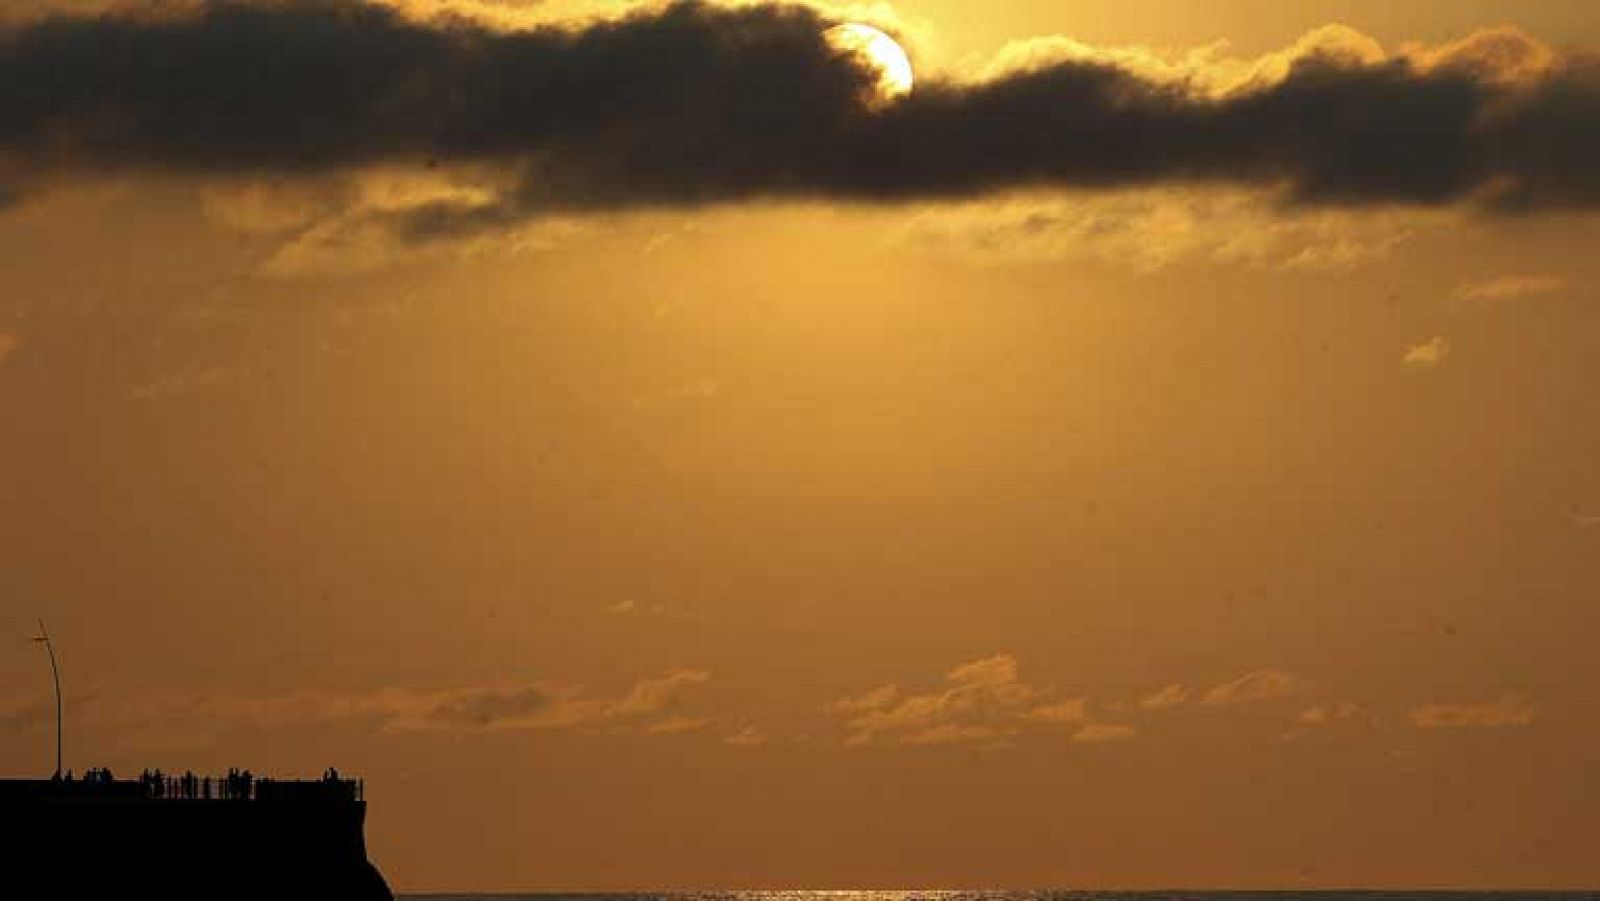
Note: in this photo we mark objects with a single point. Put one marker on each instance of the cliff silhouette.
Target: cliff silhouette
(252, 840)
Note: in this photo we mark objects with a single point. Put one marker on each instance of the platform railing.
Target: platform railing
(233, 787)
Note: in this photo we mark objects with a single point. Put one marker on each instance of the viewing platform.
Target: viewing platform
(311, 830)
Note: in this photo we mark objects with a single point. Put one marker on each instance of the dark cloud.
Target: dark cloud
(692, 104)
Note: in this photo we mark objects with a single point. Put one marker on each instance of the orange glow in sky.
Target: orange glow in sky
(1156, 451)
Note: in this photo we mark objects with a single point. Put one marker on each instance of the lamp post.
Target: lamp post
(55, 672)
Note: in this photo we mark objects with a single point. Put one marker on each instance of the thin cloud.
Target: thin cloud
(981, 701)
(879, 698)
(1100, 733)
(195, 380)
(1430, 354)
(1158, 227)
(958, 733)
(654, 695)
(545, 706)
(748, 737)
(1328, 714)
(1511, 287)
(678, 725)
(488, 708)
(691, 103)
(1072, 711)
(1502, 713)
(651, 706)
(1261, 685)
(984, 702)
(1169, 696)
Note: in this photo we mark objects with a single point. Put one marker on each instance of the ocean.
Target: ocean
(938, 895)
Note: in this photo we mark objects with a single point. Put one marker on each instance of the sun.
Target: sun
(881, 53)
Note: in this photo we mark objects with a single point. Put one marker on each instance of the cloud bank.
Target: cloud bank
(653, 706)
(981, 702)
(692, 103)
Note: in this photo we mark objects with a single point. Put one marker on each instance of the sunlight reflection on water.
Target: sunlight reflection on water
(998, 895)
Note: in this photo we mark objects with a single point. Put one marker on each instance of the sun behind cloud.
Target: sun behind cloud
(882, 53)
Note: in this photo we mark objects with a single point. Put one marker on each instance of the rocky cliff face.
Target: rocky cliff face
(94, 845)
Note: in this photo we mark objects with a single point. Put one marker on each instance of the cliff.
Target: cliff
(281, 841)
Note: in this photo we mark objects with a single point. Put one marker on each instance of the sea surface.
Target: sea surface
(936, 895)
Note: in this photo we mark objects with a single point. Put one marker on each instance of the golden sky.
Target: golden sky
(682, 521)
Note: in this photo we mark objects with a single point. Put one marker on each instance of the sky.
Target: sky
(1155, 452)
